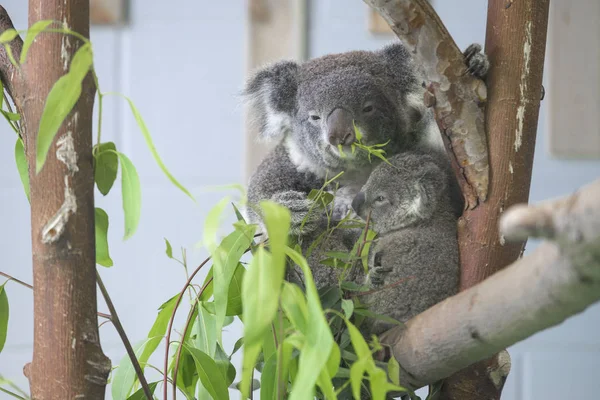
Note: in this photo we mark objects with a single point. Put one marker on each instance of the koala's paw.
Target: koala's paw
(305, 215)
(341, 208)
(377, 274)
(477, 61)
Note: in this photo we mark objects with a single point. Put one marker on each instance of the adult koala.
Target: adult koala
(310, 108)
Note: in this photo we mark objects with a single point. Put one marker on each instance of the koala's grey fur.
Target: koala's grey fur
(309, 109)
(413, 263)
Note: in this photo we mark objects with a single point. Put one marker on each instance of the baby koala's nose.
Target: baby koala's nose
(358, 202)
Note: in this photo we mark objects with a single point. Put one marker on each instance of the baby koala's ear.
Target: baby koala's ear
(430, 184)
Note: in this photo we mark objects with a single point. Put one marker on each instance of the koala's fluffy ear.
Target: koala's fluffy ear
(430, 186)
(272, 96)
(406, 82)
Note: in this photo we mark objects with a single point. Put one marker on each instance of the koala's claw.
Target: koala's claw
(377, 275)
(304, 215)
(477, 61)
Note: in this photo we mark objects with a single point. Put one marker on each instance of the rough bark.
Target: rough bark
(458, 97)
(559, 279)
(68, 361)
(516, 46)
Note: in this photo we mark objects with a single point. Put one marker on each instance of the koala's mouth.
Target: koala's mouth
(341, 152)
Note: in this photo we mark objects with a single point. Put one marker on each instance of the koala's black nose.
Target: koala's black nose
(358, 202)
(339, 127)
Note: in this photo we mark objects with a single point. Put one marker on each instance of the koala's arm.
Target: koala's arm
(277, 179)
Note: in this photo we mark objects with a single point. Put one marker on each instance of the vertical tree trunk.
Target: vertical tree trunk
(68, 362)
(516, 45)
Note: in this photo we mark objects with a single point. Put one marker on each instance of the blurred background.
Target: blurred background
(184, 62)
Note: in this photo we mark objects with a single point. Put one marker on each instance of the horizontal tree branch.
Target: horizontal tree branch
(9, 73)
(559, 279)
(459, 97)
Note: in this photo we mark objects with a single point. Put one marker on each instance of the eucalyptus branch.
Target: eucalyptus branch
(9, 73)
(117, 323)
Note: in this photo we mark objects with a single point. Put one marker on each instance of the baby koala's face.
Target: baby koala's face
(400, 194)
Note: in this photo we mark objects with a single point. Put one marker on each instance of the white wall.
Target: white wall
(183, 66)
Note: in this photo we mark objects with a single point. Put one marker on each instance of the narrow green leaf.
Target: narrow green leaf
(148, 138)
(238, 344)
(32, 33)
(106, 165)
(140, 395)
(11, 116)
(132, 195)
(234, 295)
(22, 167)
(319, 339)
(9, 52)
(348, 307)
(169, 249)
(101, 225)
(124, 376)
(294, 305)
(187, 376)
(206, 334)
(209, 374)
(225, 264)
(8, 35)
(259, 290)
(268, 379)
(60, 101)
(394, 370)
(3, 315)
(225, 366)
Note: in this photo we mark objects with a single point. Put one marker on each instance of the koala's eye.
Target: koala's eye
(368, 108)
(379, 199)
(315, 117)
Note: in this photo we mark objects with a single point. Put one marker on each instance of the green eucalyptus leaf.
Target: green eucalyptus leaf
(106, 165)
(268, 379)
(210, 374)
(4, 311)
(318, 337)
(187, 376)
(10, 116)
(169, 250)
(60, 101)
(348, 307)
(225, 366)
(124, 376)
(132, 195)
(22, 167)
(140, 395)
(148, 139)
(32, 33)
(206, 333)
(293, 303)
(8, 35)
(238, 344)
(101, 226)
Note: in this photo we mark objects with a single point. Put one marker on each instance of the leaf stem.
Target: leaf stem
(170, 327)
(117, 324)
(100, 97)
(185, 329)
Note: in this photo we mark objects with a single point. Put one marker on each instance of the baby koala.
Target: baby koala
(413, 263)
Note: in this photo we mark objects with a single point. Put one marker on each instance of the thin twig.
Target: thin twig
(185, 329)
(27, 285)
(117, 324)
(363, 244)
(4, 274)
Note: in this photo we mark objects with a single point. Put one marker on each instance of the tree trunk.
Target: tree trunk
(515, 45)
(68, 361)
